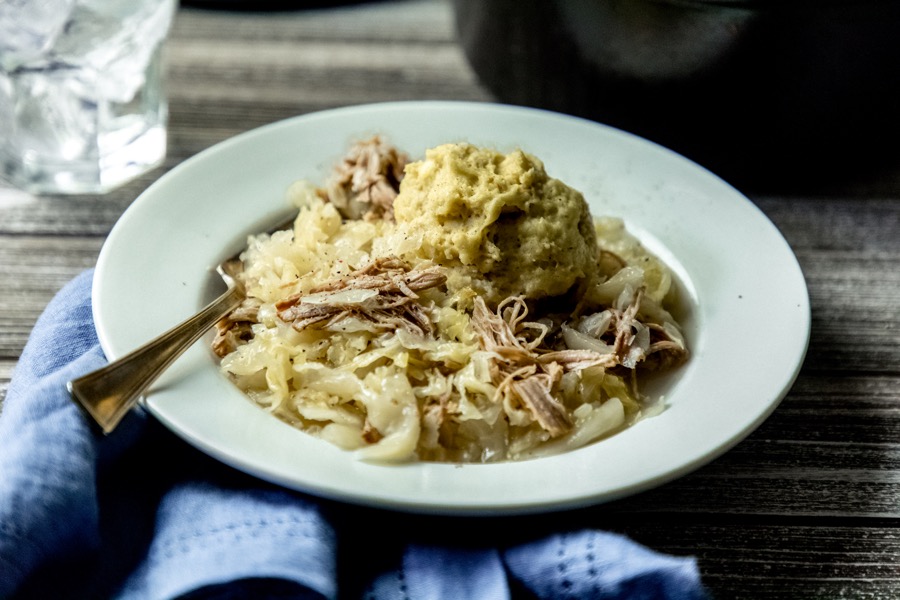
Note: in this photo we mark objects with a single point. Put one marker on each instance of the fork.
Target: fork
(107, 394)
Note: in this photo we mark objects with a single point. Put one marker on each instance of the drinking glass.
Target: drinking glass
(82, 107)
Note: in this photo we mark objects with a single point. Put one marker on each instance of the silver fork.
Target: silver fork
(106, 395)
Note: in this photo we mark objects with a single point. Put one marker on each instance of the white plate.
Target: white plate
(747, 321)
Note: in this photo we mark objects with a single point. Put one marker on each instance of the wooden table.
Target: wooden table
(807, 507)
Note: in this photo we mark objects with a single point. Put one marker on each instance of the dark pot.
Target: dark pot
(756, 91)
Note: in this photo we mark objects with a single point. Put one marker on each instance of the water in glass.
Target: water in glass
(82, 108)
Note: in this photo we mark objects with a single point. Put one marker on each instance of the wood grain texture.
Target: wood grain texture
(808, 506)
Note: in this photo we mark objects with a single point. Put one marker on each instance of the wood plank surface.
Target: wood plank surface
(808, 506)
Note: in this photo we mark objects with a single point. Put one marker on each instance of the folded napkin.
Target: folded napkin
(140, 514)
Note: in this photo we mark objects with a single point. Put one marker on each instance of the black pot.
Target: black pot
(756, 91)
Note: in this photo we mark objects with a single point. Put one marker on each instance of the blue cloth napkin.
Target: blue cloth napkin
(140, 514)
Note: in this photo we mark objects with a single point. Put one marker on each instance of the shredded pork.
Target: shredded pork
(519, 367)
(382, 294)
(366, 181)
(236, 328)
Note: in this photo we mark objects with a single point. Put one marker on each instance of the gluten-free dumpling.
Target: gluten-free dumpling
(497, 222)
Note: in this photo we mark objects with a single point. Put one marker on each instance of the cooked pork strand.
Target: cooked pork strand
(366, 181)
(381, 294)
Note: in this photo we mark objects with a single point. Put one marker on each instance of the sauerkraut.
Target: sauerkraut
(464, 307)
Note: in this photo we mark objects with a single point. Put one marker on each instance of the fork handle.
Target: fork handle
(107, 394)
